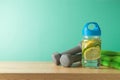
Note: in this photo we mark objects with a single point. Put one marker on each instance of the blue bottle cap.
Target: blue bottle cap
(91, 32)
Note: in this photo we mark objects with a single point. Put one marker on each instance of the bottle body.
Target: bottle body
(91, 51)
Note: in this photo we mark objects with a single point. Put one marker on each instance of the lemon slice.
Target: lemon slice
(87, 43)
(92, 53)
(90, 43)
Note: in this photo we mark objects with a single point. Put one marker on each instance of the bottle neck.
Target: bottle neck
(91, 37)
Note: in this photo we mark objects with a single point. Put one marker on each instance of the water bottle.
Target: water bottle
(91, 45)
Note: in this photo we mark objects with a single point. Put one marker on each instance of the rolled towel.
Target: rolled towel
(106, 58)
(111, 61)
(115, 65)
(115, 62)
(110, 53)
(105, 63)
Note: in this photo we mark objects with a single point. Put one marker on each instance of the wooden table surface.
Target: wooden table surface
(49, 71)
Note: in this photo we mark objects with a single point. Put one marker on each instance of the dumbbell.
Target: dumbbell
(56, 56)
(67, 60)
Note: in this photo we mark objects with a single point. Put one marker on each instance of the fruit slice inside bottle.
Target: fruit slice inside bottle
(92, 53)
(90, 43)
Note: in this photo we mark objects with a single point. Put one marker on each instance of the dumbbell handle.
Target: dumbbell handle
(76, 57)
(74, 50)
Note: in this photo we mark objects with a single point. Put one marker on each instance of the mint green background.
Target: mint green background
(31, 30)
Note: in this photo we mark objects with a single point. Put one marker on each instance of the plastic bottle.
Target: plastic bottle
(91, 45)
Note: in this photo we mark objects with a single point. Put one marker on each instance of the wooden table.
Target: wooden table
(49, 71)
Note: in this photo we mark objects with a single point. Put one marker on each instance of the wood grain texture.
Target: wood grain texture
(49, 71)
